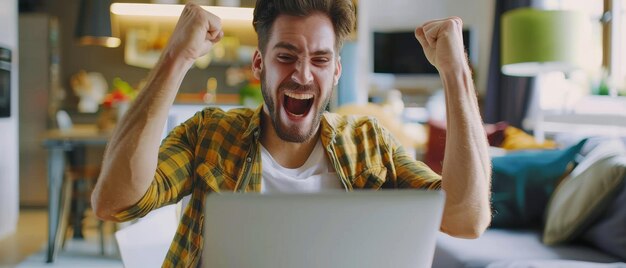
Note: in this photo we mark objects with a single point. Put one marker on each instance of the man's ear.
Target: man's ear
(257, 64)
(337, 74)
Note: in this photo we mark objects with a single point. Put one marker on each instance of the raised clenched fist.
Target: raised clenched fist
(442, 41)
(195, 33)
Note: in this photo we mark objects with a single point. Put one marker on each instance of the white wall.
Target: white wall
(382, 15)
(8, 127)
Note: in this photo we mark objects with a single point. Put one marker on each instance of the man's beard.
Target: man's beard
(290, 134)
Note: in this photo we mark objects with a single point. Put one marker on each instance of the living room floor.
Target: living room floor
(27, 246)
(29, 238)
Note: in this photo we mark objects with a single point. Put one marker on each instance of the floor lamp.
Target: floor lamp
(535, 42)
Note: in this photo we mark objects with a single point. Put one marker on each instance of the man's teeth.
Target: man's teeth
(299, 96)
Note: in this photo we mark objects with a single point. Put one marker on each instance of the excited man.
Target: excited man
(302, 147)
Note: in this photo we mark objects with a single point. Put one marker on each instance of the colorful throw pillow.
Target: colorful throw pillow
(517, 139)
(435, 146)
(522, 183)
(579, 200)
(585, 193)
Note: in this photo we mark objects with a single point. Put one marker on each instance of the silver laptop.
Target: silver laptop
(333, 229)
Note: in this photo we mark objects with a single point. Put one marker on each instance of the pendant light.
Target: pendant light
(94, 24)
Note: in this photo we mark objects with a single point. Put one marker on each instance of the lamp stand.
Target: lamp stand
(534, 112)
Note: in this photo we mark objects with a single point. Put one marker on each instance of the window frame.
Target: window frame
(613, 52)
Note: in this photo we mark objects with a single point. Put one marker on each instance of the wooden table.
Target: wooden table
(57, 142)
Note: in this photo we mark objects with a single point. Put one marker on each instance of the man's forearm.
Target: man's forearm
(131, 156)
(466, 167)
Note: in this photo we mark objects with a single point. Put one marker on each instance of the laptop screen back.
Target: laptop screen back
(333, 229)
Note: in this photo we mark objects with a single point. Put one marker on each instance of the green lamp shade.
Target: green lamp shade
(538, 41)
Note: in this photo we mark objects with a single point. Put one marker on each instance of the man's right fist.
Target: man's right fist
(195, 33)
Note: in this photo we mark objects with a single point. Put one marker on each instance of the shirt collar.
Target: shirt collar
(331, 124)
(255, 124)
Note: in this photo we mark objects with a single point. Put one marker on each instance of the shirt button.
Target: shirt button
(248, 159)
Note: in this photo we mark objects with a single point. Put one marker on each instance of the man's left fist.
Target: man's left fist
(442, 41)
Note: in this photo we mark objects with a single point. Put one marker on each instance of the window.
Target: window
(567, 107)
(608, 20)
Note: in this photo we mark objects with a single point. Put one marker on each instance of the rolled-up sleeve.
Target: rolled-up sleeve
(173, 178)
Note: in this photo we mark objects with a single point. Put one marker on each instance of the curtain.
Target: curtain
(507, 97)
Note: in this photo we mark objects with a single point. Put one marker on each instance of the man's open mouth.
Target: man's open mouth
(298, 104)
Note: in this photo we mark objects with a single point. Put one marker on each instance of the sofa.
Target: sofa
(576, 219)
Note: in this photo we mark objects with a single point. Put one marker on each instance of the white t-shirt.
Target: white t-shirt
(315, 175)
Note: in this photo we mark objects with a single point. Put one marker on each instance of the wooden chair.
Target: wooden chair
(80, 179)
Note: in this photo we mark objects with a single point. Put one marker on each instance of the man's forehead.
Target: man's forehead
(313, 33)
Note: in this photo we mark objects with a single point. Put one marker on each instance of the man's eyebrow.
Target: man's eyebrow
(293, 48)
(323, 52)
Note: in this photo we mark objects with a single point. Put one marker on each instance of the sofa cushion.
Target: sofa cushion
(585, 193)
(508, 245)
(522, 183)
(609, 232)
(517, 139)
(554, 264)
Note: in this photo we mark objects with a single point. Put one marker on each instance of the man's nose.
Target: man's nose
(302, 75)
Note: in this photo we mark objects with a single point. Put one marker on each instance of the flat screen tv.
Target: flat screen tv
(401, 53)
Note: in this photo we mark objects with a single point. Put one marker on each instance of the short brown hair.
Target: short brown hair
(340, 12)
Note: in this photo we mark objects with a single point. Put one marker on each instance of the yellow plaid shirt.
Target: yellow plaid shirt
(218, 151)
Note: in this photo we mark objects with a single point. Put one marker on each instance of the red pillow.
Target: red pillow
(436, 145)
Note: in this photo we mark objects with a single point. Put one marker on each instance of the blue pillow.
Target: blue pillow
(522, 183)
